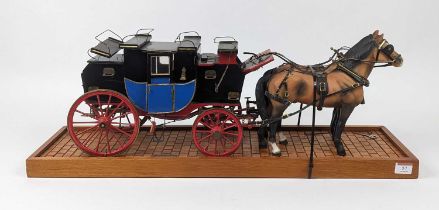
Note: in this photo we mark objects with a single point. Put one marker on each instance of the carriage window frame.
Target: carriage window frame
(155, 62)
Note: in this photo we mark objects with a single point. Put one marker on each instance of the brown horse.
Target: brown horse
(346, 77)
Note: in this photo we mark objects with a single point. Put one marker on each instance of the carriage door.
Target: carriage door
(160, 89)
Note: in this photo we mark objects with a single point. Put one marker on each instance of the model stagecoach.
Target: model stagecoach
(132, 80)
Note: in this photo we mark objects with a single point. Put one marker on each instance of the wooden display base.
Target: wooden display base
(176, 156)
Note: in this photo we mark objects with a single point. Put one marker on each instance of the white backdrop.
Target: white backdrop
(43, 48)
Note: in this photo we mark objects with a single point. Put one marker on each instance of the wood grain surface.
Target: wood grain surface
(171, 153)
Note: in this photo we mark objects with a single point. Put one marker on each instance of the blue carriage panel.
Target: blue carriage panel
(160, 80)
(160, 98)
(184, 94)
(136, 92)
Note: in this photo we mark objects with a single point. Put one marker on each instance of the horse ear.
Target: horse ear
(375, 33)
(381, 37)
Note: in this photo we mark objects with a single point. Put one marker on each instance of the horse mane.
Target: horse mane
(359, 51)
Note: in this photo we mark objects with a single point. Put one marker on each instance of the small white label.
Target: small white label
(403, 168)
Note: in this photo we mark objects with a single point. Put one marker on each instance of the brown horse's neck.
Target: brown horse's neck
(365, 68)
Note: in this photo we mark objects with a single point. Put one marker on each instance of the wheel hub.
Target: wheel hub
(217, 130)
(103, 122)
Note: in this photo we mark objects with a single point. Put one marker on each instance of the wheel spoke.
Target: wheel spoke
(120, 130)
(108, 106)
(211, 120)
(90, 137)
(117, 141)
(117, 107)
(205, 124)
(205, 137)
(95, 111)
(85, 122)
(217, 117)
(99, 141)
(231, 126)
(85, 130)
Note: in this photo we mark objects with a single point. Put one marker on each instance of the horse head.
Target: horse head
(386, 51)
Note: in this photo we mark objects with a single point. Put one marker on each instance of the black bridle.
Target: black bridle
(385, 48)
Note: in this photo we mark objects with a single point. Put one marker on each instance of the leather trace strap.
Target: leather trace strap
(358, 78)
(278, 98)
(281, 99)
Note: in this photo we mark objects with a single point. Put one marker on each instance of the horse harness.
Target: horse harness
(320, 76)
(321, 83)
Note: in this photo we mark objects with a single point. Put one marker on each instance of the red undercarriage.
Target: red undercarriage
(186, 112)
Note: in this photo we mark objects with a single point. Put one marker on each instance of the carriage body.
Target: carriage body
(167, 80)
(164, 78)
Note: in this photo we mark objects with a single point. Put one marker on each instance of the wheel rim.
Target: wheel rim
(217, 132)
(103, 123)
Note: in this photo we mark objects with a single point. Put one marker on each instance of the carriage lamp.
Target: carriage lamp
(183, 74)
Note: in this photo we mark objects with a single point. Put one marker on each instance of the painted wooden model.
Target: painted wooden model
(165, 80)
(133, 79)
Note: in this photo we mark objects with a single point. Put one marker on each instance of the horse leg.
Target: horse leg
(272, 140)
(335, 116)
(262, 137)
(345, 112)
(276, 112)
(282, 137)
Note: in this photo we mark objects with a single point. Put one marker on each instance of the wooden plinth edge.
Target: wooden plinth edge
(251, 167)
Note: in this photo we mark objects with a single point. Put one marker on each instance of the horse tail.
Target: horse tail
(262, 101)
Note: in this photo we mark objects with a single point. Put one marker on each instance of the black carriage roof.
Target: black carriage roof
(189, 43)
(107, 50)
(115, 59)
(161, 47)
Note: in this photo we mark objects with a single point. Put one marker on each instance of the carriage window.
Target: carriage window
(160, 65)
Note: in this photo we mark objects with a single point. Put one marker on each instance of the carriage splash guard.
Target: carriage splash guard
(160, 98)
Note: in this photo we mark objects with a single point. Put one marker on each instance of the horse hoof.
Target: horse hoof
(275, 151)
(283, 142)
(341, 153)
(276, 154)
(340, 149)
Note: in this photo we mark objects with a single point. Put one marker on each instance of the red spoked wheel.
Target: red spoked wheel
(103, 122)
(217, 132)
